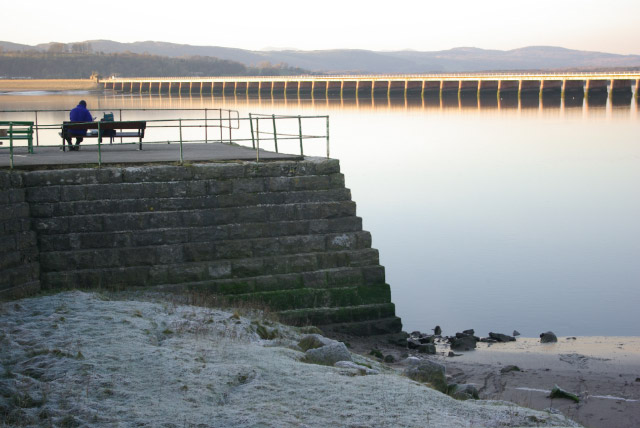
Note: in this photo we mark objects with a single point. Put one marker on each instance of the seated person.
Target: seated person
(79, 114)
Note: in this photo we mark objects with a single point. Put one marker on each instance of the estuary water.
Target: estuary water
(518, 214)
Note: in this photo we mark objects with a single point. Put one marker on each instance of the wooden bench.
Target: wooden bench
(96, 130)
(12, 131)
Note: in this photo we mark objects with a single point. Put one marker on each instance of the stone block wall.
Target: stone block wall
(281, 233)
(19, 267)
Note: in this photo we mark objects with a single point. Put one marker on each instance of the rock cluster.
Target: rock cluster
(465, 341)
(422, 342)
(328, 352)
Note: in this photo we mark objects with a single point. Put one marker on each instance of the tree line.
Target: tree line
(58, 62)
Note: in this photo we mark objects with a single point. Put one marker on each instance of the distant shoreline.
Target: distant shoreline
(55, 85)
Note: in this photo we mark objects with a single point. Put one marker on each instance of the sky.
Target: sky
(595, 25)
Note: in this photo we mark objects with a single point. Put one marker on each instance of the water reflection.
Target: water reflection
(525, 204)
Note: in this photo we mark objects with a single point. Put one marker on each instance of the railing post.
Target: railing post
(253, 141)
(300, 134)
(275, 133)
(206, 139)
(181, 155)
(120, 121)
(99, 144)
(257, 139)
(327, 137)
(220, 123)
(37, 139)
(11, 145)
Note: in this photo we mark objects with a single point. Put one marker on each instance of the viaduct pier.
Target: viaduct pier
(387, 85)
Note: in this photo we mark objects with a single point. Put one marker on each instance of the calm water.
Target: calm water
(493, 217)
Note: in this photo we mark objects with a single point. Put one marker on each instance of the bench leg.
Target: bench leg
(140, 144)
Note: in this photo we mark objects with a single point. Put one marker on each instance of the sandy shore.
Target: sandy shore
(87, 359)
(24, 85)
(603, 371)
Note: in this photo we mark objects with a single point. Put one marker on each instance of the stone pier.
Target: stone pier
(283, 234)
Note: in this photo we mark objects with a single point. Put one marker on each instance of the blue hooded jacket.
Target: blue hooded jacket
(80, 114)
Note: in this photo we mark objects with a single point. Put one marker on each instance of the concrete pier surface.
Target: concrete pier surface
(129, 154)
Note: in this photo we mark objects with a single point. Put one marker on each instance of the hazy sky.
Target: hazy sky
(599, 25)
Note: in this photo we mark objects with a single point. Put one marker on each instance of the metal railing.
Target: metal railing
(191, 130)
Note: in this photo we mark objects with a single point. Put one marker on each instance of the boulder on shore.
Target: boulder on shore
(463, 391)
(548, 337)
(429, 372)
(328, 355)
(464, 343)
(499, 337)
(313, 341)
(558, 392)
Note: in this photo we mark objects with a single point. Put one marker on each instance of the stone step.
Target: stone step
(193, 218)
(15, 225)
(203, 251)
(135, 205)
(224, 189)
(322, 278)
(366, 328)
(316, 298)
(210, 277)
(165, 173)
(21, 274)
(166, 236)
(349, 314)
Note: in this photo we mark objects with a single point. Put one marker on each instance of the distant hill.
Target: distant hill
(365, 61)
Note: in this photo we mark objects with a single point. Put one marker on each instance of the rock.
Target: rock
(488, 340)
(453, 354)
(328, 355)
(548, 337)
(469, 332)
(416, 333)
(437, 331)
(466, 343)
(389, 359)
(427, 348)
(463, 391)
(510, 368)
(313, 341)
(412, 361)
(427, 339)
(638, 379)
(398, 339)
(413, 343)
(428, 372)
(502, 337)
(516, 333)
(363, 370)
(558, 392)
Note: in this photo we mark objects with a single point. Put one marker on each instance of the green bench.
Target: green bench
(13, 131)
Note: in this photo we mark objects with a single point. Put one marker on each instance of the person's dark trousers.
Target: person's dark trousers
(78, 141)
